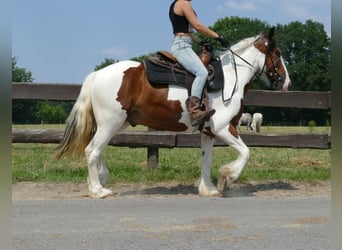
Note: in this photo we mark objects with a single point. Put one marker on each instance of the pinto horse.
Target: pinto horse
(120, 95)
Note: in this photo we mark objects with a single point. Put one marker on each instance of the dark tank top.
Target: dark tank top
(179, 23)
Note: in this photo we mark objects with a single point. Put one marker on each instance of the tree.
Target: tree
(143, 57)
(235, 29)
(50, 112)
(306, 49)
(22, 110)
(20, 74)
(32, 111)
(105, 63)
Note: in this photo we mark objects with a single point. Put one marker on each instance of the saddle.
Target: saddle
(163, 69)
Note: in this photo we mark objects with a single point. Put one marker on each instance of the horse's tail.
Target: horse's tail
(80, 125)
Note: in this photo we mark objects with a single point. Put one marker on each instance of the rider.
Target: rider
(184, 20)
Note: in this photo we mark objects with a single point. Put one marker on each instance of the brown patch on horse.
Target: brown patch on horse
(147, 104)
(235, 121)
(232, 129)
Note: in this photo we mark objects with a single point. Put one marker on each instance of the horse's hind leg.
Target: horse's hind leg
(97, 170)
(231, 171)
(102, 168)
(103, 171)
(96, 165)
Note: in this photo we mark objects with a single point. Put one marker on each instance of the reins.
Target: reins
(257, 74)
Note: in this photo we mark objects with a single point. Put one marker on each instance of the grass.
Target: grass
(36, 162)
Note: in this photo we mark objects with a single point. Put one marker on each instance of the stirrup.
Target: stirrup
(204, 118)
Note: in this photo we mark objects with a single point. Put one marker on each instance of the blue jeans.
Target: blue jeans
(181, 49)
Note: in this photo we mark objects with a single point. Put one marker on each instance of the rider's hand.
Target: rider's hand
(224, 42)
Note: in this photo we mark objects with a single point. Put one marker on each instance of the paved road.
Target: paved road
(173, 222)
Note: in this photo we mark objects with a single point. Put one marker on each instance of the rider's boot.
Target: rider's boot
(198, 112)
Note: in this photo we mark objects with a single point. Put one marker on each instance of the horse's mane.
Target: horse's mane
(243, 44)
(239, 47)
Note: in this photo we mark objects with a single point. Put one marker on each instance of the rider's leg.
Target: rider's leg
(182, 50)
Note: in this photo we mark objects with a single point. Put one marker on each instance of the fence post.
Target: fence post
(152, 156)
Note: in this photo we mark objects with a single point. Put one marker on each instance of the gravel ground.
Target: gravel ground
(47, 191)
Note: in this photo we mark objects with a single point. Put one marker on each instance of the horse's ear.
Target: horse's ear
(271, 33)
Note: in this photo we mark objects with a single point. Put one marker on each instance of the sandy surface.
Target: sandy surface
(36, 191)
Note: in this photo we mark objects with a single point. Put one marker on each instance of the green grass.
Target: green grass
(36, 162)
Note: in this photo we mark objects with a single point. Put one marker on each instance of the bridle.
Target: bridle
(277, 79)
(269, 73)
(273, 75)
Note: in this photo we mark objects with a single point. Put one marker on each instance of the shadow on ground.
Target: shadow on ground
(236, 190)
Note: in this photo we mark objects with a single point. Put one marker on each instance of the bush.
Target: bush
(311, 124)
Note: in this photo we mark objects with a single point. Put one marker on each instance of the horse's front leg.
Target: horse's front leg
(206, 187)
(231, 171)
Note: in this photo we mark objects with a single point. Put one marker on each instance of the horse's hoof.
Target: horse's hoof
(209, 193)
(212, 194)
(217, 194)
(100, 194)
(221, 183)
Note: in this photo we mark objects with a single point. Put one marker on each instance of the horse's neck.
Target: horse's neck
(239, 70)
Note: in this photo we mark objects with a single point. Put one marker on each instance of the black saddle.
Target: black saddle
(163, 69)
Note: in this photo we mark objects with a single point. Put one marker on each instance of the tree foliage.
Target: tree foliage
(20, 74)
(50, 112)
(306, 49)
(22, 110)
(105, 63)
(143, 57)
(236, 28)
(33, 111)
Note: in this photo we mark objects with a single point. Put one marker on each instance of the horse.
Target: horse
(256, 122)
(120, 95)
(245, 119)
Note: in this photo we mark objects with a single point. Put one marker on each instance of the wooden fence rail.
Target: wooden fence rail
(290, 99)
(154, 140)
(138, 139)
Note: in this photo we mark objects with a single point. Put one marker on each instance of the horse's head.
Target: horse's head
(275, 70)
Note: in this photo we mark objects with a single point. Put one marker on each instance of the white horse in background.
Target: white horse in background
(256, 122)
(245, 119)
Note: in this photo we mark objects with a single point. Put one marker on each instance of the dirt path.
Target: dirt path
(36, 191)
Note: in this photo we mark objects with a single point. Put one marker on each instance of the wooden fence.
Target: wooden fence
(290, 99)
(154, 140)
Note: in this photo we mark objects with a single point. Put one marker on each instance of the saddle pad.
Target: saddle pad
(157, 74)
(163, 72)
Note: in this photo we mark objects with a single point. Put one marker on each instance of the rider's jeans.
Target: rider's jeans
(181, 48)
